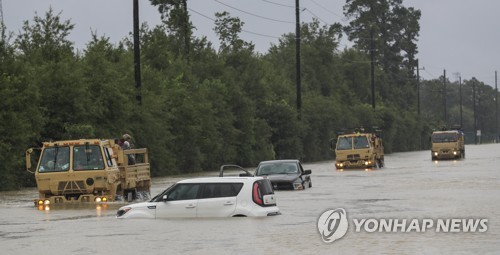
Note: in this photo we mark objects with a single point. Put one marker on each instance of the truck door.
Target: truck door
(182, 201)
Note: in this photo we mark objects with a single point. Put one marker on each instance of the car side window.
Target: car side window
(184, 192)
(213, 190)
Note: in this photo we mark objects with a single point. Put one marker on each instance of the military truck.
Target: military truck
(358, 149)
(88, 170)
(447, 144)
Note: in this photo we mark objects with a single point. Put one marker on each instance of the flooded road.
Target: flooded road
(411, 186)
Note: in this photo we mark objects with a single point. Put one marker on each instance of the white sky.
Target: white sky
(460, 36)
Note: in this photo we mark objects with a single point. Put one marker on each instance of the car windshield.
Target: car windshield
(444, 137)
(54, 159)
(278, 168)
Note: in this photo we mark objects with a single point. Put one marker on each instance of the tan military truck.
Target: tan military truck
(88, 170)
(448, 144)
(358, 149)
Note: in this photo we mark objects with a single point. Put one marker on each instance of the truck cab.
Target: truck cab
(358, 150)
(87, 170)
(448, 144)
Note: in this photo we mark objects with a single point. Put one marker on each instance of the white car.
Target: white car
(237, 196)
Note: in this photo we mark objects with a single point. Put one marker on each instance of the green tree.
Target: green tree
(174, 14)
(48, 60)
(21, 119)
(390, 31)
(394, 29)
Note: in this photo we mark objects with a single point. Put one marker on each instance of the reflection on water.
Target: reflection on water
(356, 169)
(412, 186)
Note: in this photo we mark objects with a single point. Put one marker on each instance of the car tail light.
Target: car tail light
(256, 194)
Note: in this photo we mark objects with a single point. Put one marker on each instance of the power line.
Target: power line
(283, 5)
(255, 15)
(314, 2)
(243, 30)
(201, 14)
(316, 16)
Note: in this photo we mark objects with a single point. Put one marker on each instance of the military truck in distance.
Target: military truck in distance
(358, 149)
(447, 144)
(88, 170)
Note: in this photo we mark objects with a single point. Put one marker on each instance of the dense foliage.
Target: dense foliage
(203, 107)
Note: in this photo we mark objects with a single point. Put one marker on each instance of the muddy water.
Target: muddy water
(411, 186)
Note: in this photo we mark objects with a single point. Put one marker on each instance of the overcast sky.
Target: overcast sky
(461, 36)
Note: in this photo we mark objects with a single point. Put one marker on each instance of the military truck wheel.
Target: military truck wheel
(130, 195)
(143, 195)
(380, 163)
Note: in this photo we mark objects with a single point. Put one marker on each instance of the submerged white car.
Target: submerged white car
(236, 196)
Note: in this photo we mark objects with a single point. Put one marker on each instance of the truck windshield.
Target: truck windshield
(344, 143)
(54, 159)
(444, 138)
(359, 142)
(87, 157)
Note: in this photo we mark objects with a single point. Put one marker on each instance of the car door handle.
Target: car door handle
(190, 206)
(228, 203)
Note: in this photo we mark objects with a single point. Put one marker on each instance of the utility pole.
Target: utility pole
(460, 91)
(474, 109)
(297, 58)
(1, 19)
(418, 87)
(187, 34)
(137, 53)
(444, 97)
(372, 57)
(1, 16)
(496, 109)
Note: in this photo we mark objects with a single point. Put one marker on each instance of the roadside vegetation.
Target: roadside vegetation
(202, 107)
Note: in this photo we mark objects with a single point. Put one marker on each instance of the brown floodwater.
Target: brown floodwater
(411, 186)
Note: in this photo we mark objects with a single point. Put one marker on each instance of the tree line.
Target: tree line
(202, 107)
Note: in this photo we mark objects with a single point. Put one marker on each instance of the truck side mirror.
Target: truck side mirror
(28, 160)
(333, 144)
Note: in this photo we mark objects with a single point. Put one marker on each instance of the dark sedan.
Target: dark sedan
(285, 174)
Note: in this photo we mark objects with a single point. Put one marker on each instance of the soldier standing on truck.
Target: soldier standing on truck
(126, 144)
